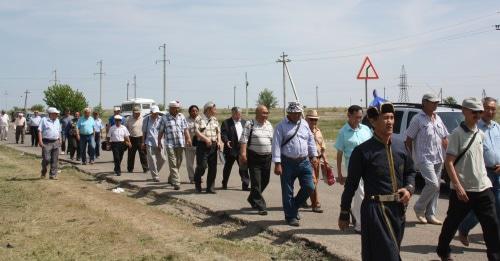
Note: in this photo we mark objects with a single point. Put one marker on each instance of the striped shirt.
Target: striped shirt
(209, 127)
(428, 135)
(173, 130)
(262, 137)
(191, 124)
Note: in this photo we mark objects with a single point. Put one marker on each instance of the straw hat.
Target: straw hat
(312, 114)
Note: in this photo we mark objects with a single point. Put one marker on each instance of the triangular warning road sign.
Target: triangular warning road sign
(367, 71)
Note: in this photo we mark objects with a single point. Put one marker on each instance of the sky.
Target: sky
(448, 45)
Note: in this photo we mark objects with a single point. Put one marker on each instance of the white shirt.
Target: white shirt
(4, 120)
(35, 121)
(239, 128)
(118, 134)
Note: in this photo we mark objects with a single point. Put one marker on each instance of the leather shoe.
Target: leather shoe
(293, 222)
(262, 212)
(209, 191)
(464, 239)
(317, 210)
(433, 220)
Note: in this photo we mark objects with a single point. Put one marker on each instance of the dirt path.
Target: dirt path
(79, 218)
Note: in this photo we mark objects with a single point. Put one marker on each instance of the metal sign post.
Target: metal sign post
(367, 72)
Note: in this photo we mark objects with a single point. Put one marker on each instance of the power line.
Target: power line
(55, 77)
(283, 59)
(164, 61)
(26, 99)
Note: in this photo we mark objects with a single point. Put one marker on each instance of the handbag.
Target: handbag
(105, 146)
(327, 172)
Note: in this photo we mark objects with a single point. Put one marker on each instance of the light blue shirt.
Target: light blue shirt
(85, 125)
(151, 129)
(35, 121)
(50, 129)
(98, 125)
(491, 143)
(349, 138)
(302, 145)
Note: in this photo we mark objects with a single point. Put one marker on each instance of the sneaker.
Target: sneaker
(433, 220)
(62, 153)
(293, 222)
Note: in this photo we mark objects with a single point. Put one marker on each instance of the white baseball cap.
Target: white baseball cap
(52, 110)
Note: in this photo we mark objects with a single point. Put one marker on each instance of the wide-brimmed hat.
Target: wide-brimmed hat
(473, 104)
(430, 97)
(294, 107)
(375, 111)
(312, 114)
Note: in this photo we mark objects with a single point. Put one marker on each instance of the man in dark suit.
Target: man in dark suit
(231, 132)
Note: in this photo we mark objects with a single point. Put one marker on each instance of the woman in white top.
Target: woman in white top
(118, 135)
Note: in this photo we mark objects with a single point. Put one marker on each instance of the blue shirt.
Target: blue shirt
(85, 125)
(491, 143)
(302, 145)
(349, 138)
(50, 129)
(98, 125)
(150, 130)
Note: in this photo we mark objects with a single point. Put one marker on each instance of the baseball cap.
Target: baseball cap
(473, 103)
(430, 97)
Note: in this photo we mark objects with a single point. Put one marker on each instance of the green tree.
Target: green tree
(267, 98)
(161, 107)
(38, 107)
(62, 97)
(450, 100)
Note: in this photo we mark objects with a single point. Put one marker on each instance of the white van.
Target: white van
(144, 104)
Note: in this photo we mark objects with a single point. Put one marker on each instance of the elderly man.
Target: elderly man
(389, 180)
(49, 138)
(65, 121)
(293, 151)
(255, 152)
(134, 127)
(111, 119)
(208, 134)
(174, 128)
(491, 150)
(85, 133)
(350, 136)
(151, 144)
(98, 127)
(231, 130)
(469, 183)
(118, 136)
(20, 125)
(191, 151)
(34, 122)
(4, 125)
(428, 132)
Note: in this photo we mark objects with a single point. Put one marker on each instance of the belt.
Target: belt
(81, 134)
(299, 159)
(48, 140)
(385, 198)
(491, 168)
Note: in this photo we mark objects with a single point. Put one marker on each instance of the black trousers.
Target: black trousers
(483, 205)
(206, 157)
(118, 149)
(73, 146)
(382, 229)
(260, 172)
(19, 134)
(228, 165)
(136, 146)
(34, 135)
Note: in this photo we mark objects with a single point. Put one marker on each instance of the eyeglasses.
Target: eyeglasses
(477, 112)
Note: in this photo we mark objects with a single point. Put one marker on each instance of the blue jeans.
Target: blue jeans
(471, 220)
(87, 141)
(292, 170)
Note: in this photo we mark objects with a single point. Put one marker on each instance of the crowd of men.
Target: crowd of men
(378, 185)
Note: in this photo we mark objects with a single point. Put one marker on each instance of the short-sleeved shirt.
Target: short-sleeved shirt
(50, 129)
(191, 124)
(4, 120)
(209, 127)
(349, 138)
(470, 169)
(262, 137)
(173, 128)
(150, 129)
(20, 121)
(35, 121)
(98, 126)
(320, 141)
(491, 145)
(134, 126)
(65, 121)
(85, 125)
(118, 134)
(428, 136)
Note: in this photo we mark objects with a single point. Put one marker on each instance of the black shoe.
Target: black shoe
(305, 205)
(42, 176)
(251, 203)
(317, 210)
(245, 187)
(117, 173)
(446, 258)
(84, 163)
(145, 170)
(224, 186)
(177, 187)
(130, 170)
(293, 222)
(197, 188)
(262, 212)
(209, 191)
(53, 177)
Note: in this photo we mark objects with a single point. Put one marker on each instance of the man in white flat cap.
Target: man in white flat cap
(49, 138)
(151, 144)
(174, 128)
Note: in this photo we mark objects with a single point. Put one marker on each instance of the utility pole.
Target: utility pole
(246, 94)
(441, 95)
(234, 96)
(164, 60)
(55, 77)
(26, 99)
(317, 99)
(384, 92)
(484, 93)
(283, 59)
(5, 93)
(135, 87)
(128, 84)
(100, 73)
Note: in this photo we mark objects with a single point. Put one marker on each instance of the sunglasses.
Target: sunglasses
(313, 119)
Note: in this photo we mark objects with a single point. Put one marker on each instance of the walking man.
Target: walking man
(111, 119)
(174, 128)
(293, 151)
(85, 134)
(34, 122)
(65, 121)
(20, 124)
(4, 125)
(491, 151)
(231, 130)
(73, 139)
(428, 132)
(49, 138)
(155, 155)
(98, 127)
(350, 136)
(469, 183)
(190, 152)
(255, 152)
(389, 180)
(118, 136)
(208, 134)
(134, 127)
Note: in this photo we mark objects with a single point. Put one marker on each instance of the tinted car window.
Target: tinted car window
(398, 119)
(410, 116)
(451, 119)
